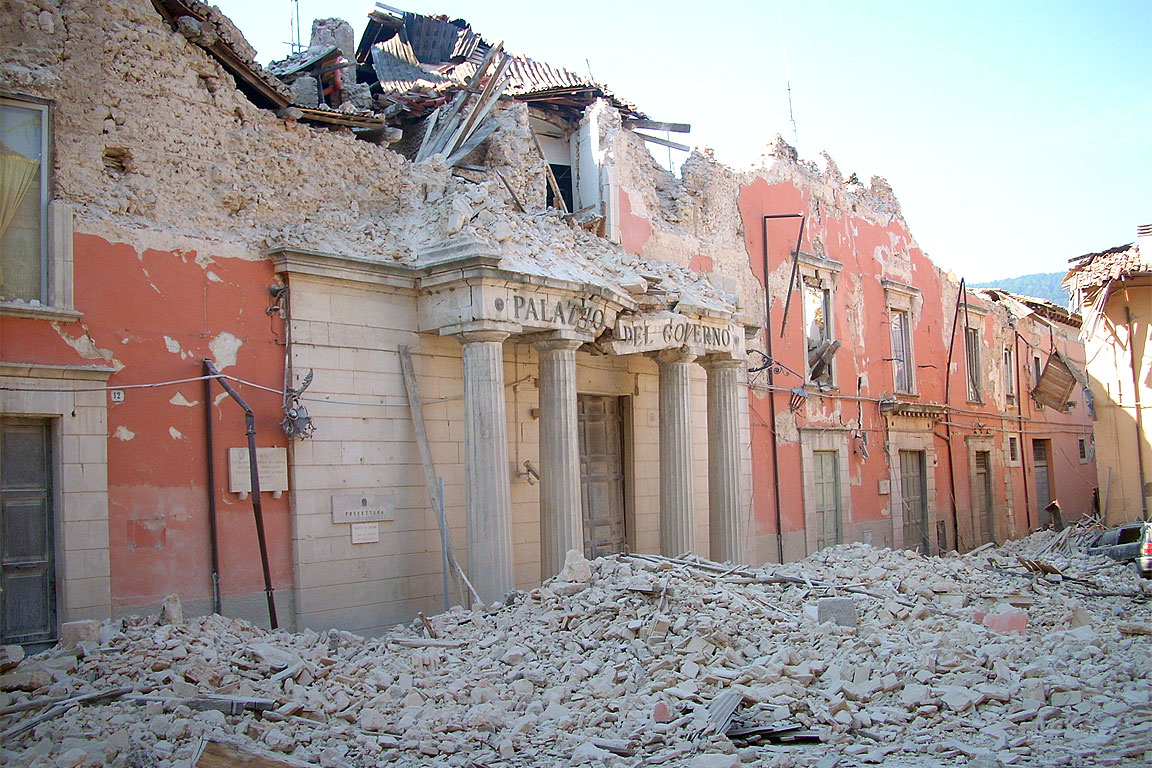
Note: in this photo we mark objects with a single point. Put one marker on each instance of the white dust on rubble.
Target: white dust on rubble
(927, 661)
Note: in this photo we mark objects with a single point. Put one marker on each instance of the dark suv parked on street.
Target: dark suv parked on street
(1129, 543)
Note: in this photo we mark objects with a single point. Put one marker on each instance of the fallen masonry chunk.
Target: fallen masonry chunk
(73, 633)
(10, 656)
(840, 610)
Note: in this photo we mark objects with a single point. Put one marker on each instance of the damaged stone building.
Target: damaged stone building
(1113, 290)
(416, 277)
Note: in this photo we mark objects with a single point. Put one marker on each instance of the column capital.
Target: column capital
(681, 355)
(544, 342)
(480, 331)
(721, 361)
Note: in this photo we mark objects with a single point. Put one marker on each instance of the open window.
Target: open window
(555, 146)
(24, 191)
(817, 286)
(1009, 374)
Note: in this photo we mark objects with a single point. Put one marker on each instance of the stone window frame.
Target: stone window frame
(1086, 448)
(907, 299)
(826, 273)
(1013, 460)
(824, 438)
(973, 316)
(57, 301)
(1008, 374)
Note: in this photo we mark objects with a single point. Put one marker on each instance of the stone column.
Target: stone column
(561, 521)
(725, 521)
(488, 496)
(677, 496)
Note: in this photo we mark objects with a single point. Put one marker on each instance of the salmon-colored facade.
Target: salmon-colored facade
(992, 458)
(153, 317)
(660, 371)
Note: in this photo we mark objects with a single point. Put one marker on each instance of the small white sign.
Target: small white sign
(117, 395)
(272, 464)
(365, 533)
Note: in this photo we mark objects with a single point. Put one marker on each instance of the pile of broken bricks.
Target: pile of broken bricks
(853, 656)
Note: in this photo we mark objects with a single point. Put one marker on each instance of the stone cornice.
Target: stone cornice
(42, 371)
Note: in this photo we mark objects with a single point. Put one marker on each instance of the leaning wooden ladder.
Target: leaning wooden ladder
(448, 554)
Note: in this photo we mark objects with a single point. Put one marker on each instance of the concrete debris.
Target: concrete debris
(709, 665)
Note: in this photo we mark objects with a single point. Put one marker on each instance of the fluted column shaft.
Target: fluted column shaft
(677, 489)
(561, 522)
(491, 566)
(725, 523)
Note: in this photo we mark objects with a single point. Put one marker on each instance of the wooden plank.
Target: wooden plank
(220, 753)
(484, 104)
(427, 642)
(551, 176)
(475, 140)
(449, 121)
(417, 408)
(507, 186)
(654, 125)
(663, 142)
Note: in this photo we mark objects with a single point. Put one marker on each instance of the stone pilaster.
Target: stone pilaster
(725, 521)
(561, 522)
(677, 489)
(491, 566)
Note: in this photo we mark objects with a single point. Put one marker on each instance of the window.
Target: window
(1013, 450)
(901, 351)
(972, 350)
(1086, 448)
(1009, 377)
(818, 330)
(1037, 368)
(24, 167)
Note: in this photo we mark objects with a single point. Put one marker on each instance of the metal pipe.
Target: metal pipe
(795, 267)
(1020, 429)
(254, 474)
(213, 539)
(1139, 420)
(771, 381)
(947, 397)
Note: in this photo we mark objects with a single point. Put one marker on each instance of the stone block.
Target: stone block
(10, 656)
(171, 612)
(839, 610)
(1007, 621)
(73, 633)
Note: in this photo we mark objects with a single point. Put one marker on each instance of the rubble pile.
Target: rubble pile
(853, 656)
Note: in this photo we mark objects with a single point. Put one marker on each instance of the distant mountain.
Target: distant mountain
(1043, 285)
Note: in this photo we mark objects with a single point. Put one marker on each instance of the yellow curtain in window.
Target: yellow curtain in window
(16, 176)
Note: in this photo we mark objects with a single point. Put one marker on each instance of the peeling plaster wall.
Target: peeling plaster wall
(711, 221)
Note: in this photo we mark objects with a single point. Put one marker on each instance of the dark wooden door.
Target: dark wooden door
(1043, 479)
(914, 490)
(985, 511)
(27, 567)
(601, 474)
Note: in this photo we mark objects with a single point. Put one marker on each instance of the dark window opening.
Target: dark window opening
(563, 174)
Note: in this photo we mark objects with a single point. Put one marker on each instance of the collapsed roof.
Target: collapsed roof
(405, 66)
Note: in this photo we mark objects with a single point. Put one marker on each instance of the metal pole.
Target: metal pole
(254, 474)
(1139, 419)
(213, 539)
(443, 539)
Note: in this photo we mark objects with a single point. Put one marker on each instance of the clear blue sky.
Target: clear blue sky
(1015, 134)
